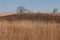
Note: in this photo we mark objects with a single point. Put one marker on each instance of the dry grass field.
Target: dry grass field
(29, 28)
(6, 13)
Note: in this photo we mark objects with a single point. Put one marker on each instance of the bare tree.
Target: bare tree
(54, 10)
(21, 9)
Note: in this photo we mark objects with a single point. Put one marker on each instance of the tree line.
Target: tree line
(22, 9)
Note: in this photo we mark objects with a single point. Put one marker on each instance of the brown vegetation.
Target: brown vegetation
(33, 16)
(29, 27)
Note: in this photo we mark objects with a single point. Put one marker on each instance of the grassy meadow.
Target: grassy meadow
(29, 28)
